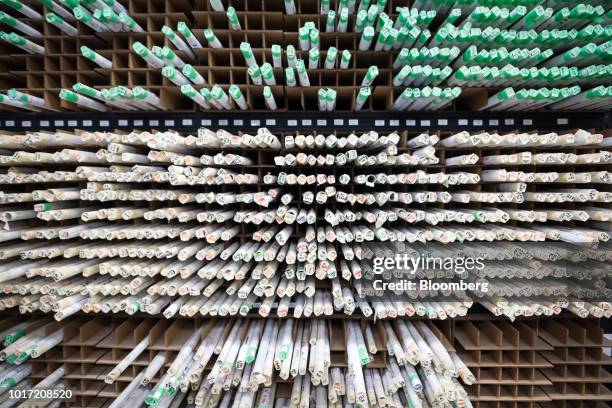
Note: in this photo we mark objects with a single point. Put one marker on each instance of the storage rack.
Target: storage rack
(533, 362)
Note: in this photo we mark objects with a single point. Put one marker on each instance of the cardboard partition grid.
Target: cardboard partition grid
(519, 368)
(558, 361)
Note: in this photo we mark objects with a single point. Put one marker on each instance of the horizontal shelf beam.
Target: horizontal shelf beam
(294, 121)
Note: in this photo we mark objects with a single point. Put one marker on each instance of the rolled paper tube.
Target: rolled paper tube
(109, 19)
(177, 41)
(345, 59)
(330, 23)
(383, 22)
(187, 350)
(363, 5)
(304, 38)
(362, 97)
(290, 77)
(156, 394)
(81, 100)
(86, 18)
(27, 98)
(499, 98)
(129, 22)
(153, 368)
(402, 17)
(4, 99)
(217, 5)
(302, 74)
(366, 39)
(51, 379)
(343, 21)
(255, 74)
(361, 21)
(148, 97)
(247, 53)
(110, 16)
(212, 39)
(22, 8)
(324, 7)
(146, 54)
(111, 97)
(382, 39)
(88, 91)
(158, 52)
(289, 7)
(269, 98)
(391, 40)
(313, 58)
(372, 12)
(331, 100)
(221, 97)
(277, 61)
(236, 94)
(168, 55)
(322, 99)
(462, 160)
(115, 6)
(423, 38)
(291, 57)
(354, 366)
(14, 377)
(25, 44)
(404, 100)
(232, 17)
(57, 21)
(57, 9)
(209, 98)
(18, 25)
(92, 5)
(401, 76)
(191, 39)
(70, 3)
(534, 18)
(267, 72)
(584, 98)
(330, 59)
(190, 92)
(193, 75)
(370, 76)
(174, 75)
(314, 38)
(112, 376)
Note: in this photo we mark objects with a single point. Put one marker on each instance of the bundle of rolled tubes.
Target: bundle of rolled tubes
(275, 363)
(169, 224)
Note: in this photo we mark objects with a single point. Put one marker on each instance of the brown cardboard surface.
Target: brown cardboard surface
(554, 358)
(540, 361)
(601, 392)
(601, 376)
